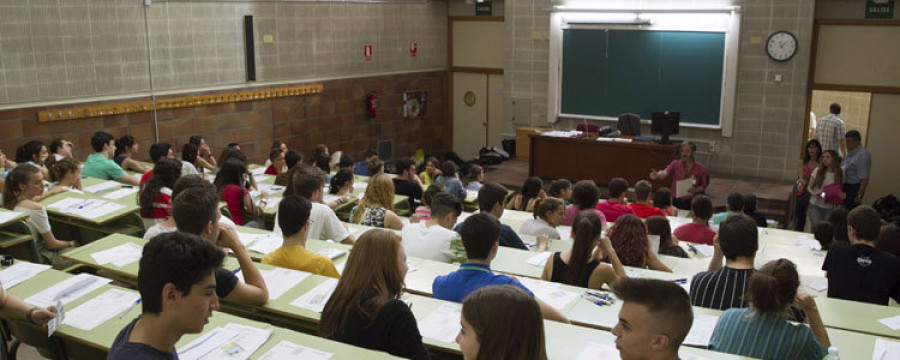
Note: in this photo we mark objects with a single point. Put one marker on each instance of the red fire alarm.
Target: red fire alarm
(413, 49)
(367, 52)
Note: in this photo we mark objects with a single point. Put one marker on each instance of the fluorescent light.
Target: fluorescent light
(588, 8)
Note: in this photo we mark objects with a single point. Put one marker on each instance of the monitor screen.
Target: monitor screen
(665, 124)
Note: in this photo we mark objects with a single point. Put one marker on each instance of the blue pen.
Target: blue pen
(680, 281)
(136, 302)
(236, 271)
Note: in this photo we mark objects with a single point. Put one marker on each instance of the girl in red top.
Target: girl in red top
(810, 161)
(230, 185)
(156, 196)
(276, 156)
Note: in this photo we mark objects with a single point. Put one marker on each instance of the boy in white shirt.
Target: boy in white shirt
(435, 239)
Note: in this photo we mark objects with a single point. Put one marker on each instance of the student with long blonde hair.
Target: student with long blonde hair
(486, 334)
(377, 205)
(365, 309)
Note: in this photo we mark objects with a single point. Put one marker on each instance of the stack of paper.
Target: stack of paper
(67, 290)
(120, 256)
(8, 215)
(100, 309)
(331, 253)
(266, 243)
(86, 208)
(701, 331)
(315, 299)
(279, 280)
(443, 323)
(549, 292)
(539, 259)
(118, 194)
(20, 272)
(213, 340)
(101, 186)
(886, 349)
(564, 134)
(289, 350)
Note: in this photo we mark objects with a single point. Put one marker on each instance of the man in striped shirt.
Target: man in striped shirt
(721, 287)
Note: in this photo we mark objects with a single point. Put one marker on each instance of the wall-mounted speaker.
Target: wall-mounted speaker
(249, 52)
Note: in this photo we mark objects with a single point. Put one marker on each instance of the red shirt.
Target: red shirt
(612, 210)
(233, 196)
(271, 170)
(644, 211)
(572, 211)
(677, 172)
(695, 233)
(146, 177)
(162, 207)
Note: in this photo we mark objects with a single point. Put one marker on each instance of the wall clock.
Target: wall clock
(781, 46)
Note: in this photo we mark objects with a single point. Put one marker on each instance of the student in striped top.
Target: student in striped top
(721, 287)
(762, 331)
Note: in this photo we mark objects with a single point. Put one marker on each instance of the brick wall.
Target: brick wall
(336, 118)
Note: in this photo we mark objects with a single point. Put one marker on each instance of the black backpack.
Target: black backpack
(888, 207)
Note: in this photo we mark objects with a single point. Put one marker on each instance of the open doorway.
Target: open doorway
(855, 108)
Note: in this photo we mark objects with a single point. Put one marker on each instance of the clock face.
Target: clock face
(781, 46)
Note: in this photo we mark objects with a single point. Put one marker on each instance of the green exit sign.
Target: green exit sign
(880, 9)
(484, 9)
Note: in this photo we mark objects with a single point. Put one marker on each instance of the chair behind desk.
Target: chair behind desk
(629, 124)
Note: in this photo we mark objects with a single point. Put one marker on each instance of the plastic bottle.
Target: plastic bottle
(832, 354)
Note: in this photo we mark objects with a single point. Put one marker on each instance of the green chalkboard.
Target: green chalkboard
(608, 72)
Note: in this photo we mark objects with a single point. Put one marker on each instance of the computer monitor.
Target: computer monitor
(665, 124)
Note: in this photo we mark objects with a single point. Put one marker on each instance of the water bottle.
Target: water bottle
(832, 354)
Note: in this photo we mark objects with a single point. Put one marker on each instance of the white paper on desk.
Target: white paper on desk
(360, 185)
(118, 194)
(808, 243)
(442, 324)
(634, 273)
(605, 139)
(682, 187)
(8, 215)
(279, 280)
(549, 292)
(315, 299)
(87, 208)
(340, 267)
(101, 186)
(66, 203)
(207, 343)
(331, 253)
(271, 189)
(539, 259)
(565, 232)
(597, 351)
(249, 339)
(68, 290)
(258, 171)
(820, 285)
(891, 322)
(266, 243)
(328, 198)
(471, 195)
(120, 256)
(19, 272)
(886, 349)
(462, 217)
(100, 309)
(701, 331)
(57, 319)
(289, 350)
(260, 177)
(704, 249)
(273, 202)
(686, 356)
(361, 195)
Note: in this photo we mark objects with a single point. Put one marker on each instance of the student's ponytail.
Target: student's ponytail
(772, 288)
(586, 228)
(58, 169)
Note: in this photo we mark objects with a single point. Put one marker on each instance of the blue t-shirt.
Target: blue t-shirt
(508, 237)
(457, 285)
(122, 349)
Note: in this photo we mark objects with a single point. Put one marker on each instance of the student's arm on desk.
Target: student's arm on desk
(130, 164)
(49, 193)
(654, 264)
(808, 304)
(14, 308)
(715, 263)
(128, 179)
(253, 290)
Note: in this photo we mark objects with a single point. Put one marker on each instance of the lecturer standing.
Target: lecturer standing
(685, 168)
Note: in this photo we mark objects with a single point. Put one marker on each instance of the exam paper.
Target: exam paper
(20, 272)
(120, 256)
(279, 280)
(315, 299)
(539, 259)
(820, 285)
(682, 187)
(273, 202)
(266, 243)
(442, 324)
(289, 350)
(86, 208)
(886, 349)
(258, 171)
(101, 186)
(340, 267)
(118, 194)
(271, 189)
(565, 232)
(328, 198)
(331, 253)
(261, 178)
(598, 352)
(67, 290)
(704, 249)
(701, 331)
(207, 343)
(360, 185)
(57, 319)
(8, 215)
(891, 322)
(549, 292)
(100, 309)
(248, 340)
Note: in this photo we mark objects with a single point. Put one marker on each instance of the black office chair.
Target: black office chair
(630, 124)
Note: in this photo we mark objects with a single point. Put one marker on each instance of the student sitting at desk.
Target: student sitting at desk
(423, 212)
(157, 151)
(293, 254)
(655, 318)
(176, 280)
(734, 205)
(126, 149)
(155, 198)
(561, 189)
(276, 158)
(480, 234)
(362, 167)
(858, 271)
(376, 167)
(376, 207)
(486, 334)
(230, 186)
(449, 178)
(291, 159)
(616, 205)
(64, 174)
(346, 162)
(341, 185)
(668, 244)
(365, 309)
(24, 186)
(431, 171)
(662, 199)
(276, 145)
(196, 211)
(435, 239)
(34, 153)
(474, 178)
(98, 165)
(205, 158)
(750, 210)
(189, 155)
(490, 201)
(309, 182)
(548, 214)
(532, 190)
(61, 148)
(585, 195)
(642, 207)
(407, 182)
(697, 231)
(183, 183)
(589, 272)
(721, 287)
(629, 239)
(322, 162)
(762, 331)
(889, 239)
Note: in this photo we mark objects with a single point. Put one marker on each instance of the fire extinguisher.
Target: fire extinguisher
(371, 105)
